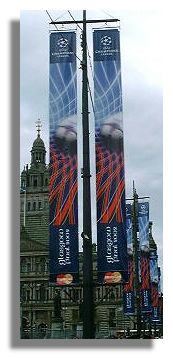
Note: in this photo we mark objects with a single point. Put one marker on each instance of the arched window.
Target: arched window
(35, 182)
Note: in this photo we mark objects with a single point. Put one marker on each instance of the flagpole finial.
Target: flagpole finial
(38, 126)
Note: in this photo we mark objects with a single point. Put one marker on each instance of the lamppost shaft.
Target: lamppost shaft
(136, 261)
(88, 306)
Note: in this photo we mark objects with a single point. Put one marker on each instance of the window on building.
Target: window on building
(42, 180)
(76, 294)
(42, 265)
(22, 206)
(39, 206)
(67, 294)
(22, 294)
(42, 293)
(23, 265)
(46, 182)
(28, 206)
(98, 293)
(37, 294)
(111, 317)
(47, 266)
(45, 204)
(47, 294)
(74, 315)
(107, 291)
(27, 181)
(23, 184)
(112, 295)
(71, 294)
(36, 267)
(35, 182)
(117, 292)
(80, 294)
(28, 267)
(28, 294)
(34, 206)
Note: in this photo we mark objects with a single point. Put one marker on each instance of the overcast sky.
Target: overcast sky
(141, 65)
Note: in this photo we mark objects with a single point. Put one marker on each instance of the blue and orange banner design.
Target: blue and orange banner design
(128, 290)
(145, 284)
(155, 302)
(63, 186)
(154, 277)
(154, 272)
(143, 221)
(143, 224)
(110, 181)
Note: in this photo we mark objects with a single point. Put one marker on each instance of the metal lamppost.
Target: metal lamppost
(136, 262)
(88, 305)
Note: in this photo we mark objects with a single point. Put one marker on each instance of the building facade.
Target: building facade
(37, 297)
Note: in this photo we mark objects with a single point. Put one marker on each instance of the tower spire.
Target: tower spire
(38, 126)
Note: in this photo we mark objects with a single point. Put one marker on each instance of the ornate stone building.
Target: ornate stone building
(37, 297)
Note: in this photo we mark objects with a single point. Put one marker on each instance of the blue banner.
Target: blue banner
(128, 290)
(154, 275)
(63, 187)
(129, 229)
(143, 224)
(145, 284)
(143, 221)
(159, 281)
(110, 182)
(155, 302)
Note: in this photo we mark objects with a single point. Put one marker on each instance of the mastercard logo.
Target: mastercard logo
(112, 277)
(63, 279)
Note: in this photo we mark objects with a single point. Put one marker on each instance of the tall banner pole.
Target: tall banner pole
(88, 307)
(136, 261)
(128, 288)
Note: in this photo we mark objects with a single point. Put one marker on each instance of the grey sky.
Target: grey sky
(141, 65)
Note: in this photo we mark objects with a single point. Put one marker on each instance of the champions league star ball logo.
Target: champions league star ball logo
(106, 41)
(62, 43)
